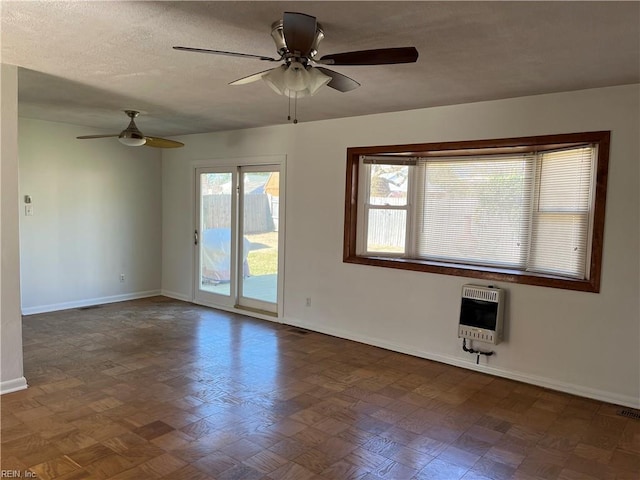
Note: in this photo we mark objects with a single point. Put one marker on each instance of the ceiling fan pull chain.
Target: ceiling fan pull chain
(295, 109)
(289, 115)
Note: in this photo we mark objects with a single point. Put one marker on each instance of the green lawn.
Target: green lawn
(264, 259)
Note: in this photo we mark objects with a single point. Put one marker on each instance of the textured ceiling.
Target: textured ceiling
(83, 62)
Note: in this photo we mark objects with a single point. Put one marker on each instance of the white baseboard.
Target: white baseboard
(579, 390)
(13, 385)
(175, 295)
(89, 302)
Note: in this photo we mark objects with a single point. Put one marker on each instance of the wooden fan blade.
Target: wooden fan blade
(85, 137)
(230, 54)
(299, 31)
(158, 142)
(340, 82)
(381, 56)
(251, 78)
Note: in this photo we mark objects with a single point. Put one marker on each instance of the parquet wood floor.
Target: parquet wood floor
(161, 389)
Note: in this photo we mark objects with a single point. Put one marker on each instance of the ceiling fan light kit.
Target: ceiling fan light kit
(296, 81)
(131, 136)
(131, 141)
(297, 37)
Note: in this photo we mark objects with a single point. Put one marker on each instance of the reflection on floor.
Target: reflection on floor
(158, 388)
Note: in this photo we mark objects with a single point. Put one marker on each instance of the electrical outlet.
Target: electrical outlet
(122, 278)
(308, 303)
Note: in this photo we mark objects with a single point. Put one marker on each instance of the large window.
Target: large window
(527, 210)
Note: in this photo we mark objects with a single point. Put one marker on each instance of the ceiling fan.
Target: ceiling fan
(297, 37)
(132, 137)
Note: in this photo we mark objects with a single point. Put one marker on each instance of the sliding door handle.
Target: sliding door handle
(195, 237)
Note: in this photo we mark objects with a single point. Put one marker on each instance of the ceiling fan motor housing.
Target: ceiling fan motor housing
(277, 33)
(131, 136)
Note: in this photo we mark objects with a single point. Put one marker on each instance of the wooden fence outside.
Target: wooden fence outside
(216, 213)
(386, 228)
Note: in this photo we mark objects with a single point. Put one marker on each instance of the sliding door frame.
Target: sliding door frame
(278, 162)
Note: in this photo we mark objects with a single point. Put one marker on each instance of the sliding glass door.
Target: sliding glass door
(237, 237)
(214, 237)
(259, 205)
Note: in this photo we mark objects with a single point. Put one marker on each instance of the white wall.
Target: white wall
(97, 214)
(573, 341)
(11, 368)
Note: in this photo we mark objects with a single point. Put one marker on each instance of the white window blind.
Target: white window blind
(527, 211)
(476, 210)
(560, 221)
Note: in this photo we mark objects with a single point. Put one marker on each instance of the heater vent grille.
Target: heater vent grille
(635, 414)
(481, 312)
(479, 293)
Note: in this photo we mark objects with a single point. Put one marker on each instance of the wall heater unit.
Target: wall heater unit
(481, 313)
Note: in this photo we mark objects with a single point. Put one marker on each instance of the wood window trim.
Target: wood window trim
(520, 144)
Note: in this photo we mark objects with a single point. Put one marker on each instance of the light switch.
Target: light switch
(28, 210)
